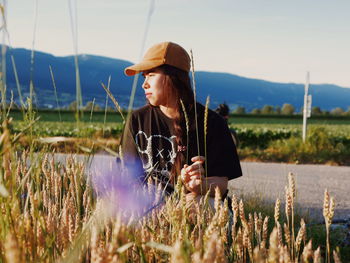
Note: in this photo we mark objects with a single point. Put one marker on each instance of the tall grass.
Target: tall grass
(3, 62)
(55, 92)
(195, 99)
(72, 4)
(17, 83)
(51, 213)
(106, 105)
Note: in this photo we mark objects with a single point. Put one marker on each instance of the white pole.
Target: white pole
(305, 109)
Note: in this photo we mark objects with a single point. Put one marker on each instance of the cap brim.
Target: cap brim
(142, 66)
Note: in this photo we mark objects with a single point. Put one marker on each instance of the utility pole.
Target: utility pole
(307, 106)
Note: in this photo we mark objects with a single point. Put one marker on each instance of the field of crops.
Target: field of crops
(112, 116)
(275, 139)
(68, 212)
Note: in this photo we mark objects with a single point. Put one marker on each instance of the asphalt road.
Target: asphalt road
(269, 179)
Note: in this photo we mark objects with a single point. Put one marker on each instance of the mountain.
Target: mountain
(222, 87)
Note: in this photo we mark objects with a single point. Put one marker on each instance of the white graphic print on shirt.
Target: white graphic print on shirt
(158, 163)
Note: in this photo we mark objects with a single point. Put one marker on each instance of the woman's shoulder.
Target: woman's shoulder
(212, 115)
(141, 111)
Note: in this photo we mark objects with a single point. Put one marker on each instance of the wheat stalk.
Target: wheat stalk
(264, 229)
(116, 104)
(55, 92)
(287, 236)
(336, 257)
(187, 127)
(300, 236)
(205, 132)
(12, 251)
(273, 249)
(292, 196)
(328, 213)
(195, 99)
(106, 105)
(277, 210)
(92, 109)
(307, 252)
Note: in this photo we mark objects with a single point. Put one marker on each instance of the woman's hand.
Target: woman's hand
(195, 181)
(192, 175)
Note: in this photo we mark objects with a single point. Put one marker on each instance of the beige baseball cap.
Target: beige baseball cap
(163, 53)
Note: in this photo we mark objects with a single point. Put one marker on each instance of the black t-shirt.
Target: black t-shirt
(150, 138)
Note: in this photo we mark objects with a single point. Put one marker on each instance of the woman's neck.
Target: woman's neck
(170, 112)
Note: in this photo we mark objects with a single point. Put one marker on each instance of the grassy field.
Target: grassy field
(66, 121)
(336, 129)
(69, 116)
(70, 212)
(62, 212)
(98, 116)
(263, 138)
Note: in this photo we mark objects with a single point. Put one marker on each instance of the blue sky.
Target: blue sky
(268, 39)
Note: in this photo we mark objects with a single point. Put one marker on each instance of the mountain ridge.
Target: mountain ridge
(233, 89)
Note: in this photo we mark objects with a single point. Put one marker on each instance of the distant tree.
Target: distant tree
(267, 109)
(255, 111)
(316, 110)
(278, 110)
(337, 111)
(111, 109)
(239, 110)
(287, 109)
(13, 105)
(89, 105)
(72, 106)
(348, 111)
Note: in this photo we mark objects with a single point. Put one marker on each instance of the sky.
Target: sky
(273, 40)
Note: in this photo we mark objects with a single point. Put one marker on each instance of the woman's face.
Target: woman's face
(156, 92)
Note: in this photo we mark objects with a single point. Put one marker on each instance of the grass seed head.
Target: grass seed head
(277, 210)
(317, 255)
(307, 252)
(217, 200)
(273, 255)
(12, 250)
(326, 205)
(241, 211)
(301, 234)
(331, 210)
(288, 202)
(336, 257)
(265, 228)
(279, 234)
(291, 184)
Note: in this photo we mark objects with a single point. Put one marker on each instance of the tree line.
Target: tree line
(289, 109)
(286, 109)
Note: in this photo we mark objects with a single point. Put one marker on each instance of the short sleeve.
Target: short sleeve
(129, 151)
(128, 146)
(222, 158)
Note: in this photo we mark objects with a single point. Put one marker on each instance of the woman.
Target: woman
(159, 136)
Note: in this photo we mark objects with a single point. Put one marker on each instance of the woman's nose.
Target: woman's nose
(145, 84)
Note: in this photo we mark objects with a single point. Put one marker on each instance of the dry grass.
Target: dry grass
(52, 213)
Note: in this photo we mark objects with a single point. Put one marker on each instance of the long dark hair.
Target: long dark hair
(180, 84)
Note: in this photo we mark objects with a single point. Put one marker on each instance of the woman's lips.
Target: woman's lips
(148, 94)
